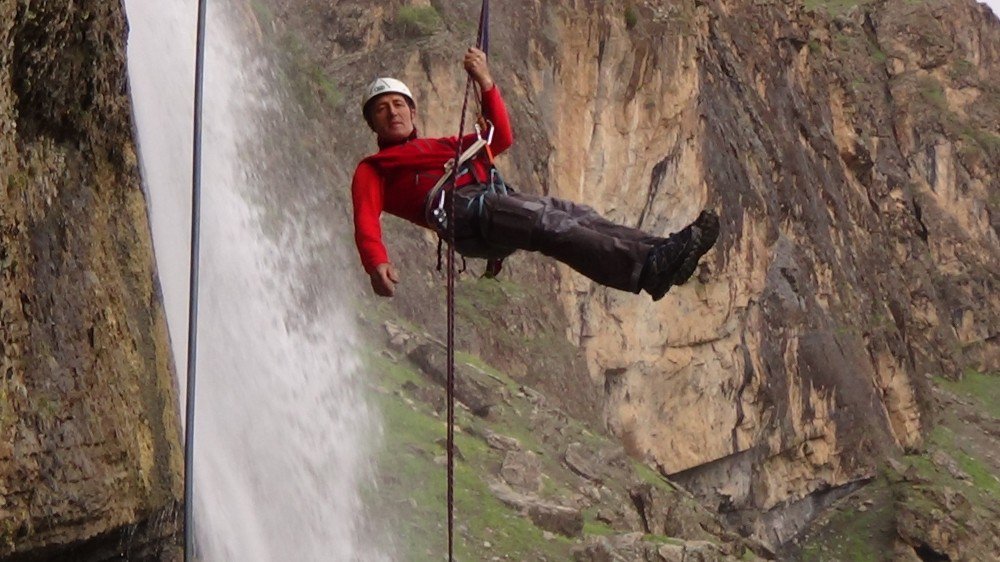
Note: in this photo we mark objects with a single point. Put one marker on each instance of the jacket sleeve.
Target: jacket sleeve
(367, 195)
(495, 110)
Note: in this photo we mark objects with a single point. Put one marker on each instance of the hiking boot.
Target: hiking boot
(663, 260)
(673, 260)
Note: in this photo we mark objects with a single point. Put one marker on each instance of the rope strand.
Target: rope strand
(192, 343)
(482, 42)
(450, 203)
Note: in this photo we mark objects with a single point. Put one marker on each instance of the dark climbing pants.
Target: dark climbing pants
(492, 225)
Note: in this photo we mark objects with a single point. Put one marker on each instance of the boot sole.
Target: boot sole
(703, 237)
(705, 231)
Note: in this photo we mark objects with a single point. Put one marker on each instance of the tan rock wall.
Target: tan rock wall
(807, 342)
(89, 439)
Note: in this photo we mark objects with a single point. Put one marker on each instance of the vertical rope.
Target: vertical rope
(482, 42)
(450, 195)
(192, 342)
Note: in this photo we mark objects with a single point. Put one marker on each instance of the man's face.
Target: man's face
(392, 117)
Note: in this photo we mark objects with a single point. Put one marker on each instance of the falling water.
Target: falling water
(283, 432)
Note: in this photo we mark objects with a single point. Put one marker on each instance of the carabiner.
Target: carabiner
(479, 132)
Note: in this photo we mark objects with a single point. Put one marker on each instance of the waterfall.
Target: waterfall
(283, 432)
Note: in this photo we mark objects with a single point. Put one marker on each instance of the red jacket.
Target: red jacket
(397, 179)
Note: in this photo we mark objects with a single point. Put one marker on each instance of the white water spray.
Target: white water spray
(283, 432)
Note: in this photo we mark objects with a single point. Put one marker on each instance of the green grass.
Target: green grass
(855, 537)
(989, 142)
(982, 388)
(382, 311)
(931, 91)
(662, 539)
(410, 492)
(306, 79)
(831, 6)
(845, 44)
(985, 489)
(412, 496)
(631, 17)
(418, 21)
(593, 527)
(961, 68)
(477, 299)
(8, 415)
(982, 478)
(327, 88)
(474, 295)
(392, 373)
(650, 476)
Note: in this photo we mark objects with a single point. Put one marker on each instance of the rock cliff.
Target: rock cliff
(89, 454)
(853, 152)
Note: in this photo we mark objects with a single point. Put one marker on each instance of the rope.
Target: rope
(192, 342)
(482, 42)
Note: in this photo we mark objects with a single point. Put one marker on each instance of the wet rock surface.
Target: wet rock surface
(89, 452)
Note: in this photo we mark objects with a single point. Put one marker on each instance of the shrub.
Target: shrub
(417, 21)
(631, 17)
(932, 92)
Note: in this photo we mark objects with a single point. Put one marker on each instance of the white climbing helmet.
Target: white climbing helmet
(385, 86)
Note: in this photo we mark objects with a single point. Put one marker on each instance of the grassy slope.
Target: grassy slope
(410, 497)
(412, 476)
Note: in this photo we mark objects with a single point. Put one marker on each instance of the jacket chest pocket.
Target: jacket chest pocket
(425, 180)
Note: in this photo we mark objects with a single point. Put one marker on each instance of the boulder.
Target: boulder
(522, 470)
(478, 395)
(545, 515)
(580, 461)
(501, 442)
(556, 518)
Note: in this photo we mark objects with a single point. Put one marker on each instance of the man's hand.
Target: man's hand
(384, 280)
(477, 67)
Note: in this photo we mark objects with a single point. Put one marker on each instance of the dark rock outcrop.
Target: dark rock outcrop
(89, 436)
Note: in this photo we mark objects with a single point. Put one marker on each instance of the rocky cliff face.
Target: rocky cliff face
(89, 454)
(853, 152)
(851, 262)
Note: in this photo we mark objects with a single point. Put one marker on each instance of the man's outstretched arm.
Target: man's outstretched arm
(366, 193)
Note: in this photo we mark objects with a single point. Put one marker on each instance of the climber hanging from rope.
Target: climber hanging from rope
(405, 178)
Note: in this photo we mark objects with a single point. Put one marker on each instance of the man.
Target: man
(400, 177)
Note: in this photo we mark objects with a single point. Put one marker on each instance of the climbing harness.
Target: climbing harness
(436, 214)
(192, 342)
